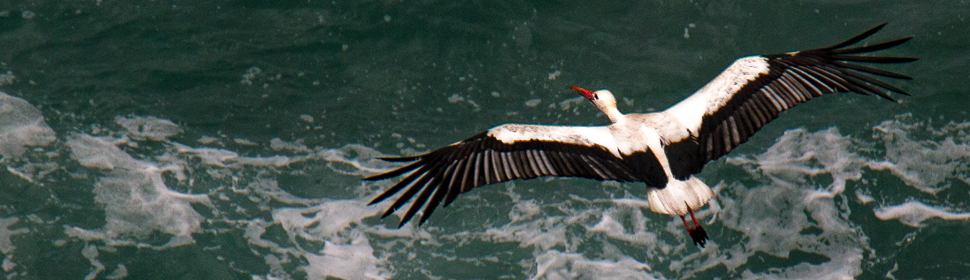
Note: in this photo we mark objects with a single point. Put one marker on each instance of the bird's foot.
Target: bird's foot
(697, 233)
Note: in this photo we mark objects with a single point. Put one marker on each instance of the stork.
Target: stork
(663, 149)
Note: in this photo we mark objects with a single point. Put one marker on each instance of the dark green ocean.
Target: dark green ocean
(227, 140)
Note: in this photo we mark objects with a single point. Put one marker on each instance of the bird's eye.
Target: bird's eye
(596, 96)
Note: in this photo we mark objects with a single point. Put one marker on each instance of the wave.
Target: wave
(784, 213)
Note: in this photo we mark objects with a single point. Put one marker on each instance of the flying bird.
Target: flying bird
(663, 149)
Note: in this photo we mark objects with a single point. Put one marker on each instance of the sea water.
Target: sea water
(205, 139)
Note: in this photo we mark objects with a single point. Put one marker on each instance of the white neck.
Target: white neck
(612, 113)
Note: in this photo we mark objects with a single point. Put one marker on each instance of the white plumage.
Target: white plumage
(663, 150)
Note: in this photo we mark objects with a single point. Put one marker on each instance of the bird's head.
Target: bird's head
(601, 98)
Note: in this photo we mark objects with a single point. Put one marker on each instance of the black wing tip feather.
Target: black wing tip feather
(872, 48)
(397, 171)
(379, 199)
(394, 172)
(415, 183)
(842, 56)
(378, 177)
(795, 78)
(842, 47)
(436, 179)
(400, 159)
(856, 39)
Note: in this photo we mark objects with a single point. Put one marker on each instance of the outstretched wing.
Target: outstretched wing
(754, 90)
(505, 153)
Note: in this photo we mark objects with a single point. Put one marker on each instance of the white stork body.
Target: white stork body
(663, 150)
(628, 136)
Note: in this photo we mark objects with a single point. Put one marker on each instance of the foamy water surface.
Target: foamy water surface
(239, 155)
(801, 198)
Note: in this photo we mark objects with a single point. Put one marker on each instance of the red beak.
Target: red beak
(582, 91)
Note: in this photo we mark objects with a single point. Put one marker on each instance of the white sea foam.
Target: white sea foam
(6, 245)
(788, 212)
(349, 261)
(798, 155)
(926, 164)
(296, 147)
(148, 127)
(637, 233)
(21, 126)
(558, 265)
(791, 213)
(328, 219)
(915, 213)
(7, 78)
(135, 198)
(792, 201)
(863, 197)
(138, 202)
(90, 252)
(121, 272)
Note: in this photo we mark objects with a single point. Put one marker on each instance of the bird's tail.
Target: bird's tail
(678, 195)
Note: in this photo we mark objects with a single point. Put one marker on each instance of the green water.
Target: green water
(275, 109)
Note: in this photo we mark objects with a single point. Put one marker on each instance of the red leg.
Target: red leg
(697, 233)
(692, 216)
